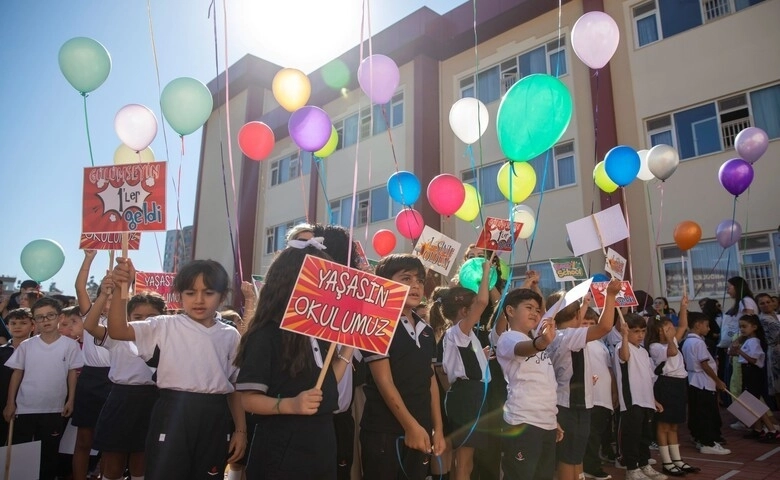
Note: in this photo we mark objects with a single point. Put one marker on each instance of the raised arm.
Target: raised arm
(82, 296)
(481, 301)
(250, 303)
(607, 319)
(528, 348)
(682, 319)
(624, 354)
(117, 325)
(92, 320)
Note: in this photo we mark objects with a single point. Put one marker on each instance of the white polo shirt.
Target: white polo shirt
(695, 352)
(752, 347)
(453, 340)
(94, 354)
(674, 366)
(127, 368)
(634, 378)
(568, 344)
(601, 373)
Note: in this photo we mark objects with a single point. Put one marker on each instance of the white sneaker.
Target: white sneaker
(651, 461)
(655, 475)
(738, 426)
(716, 449)
(636, 475)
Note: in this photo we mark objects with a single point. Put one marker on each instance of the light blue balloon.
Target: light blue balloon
(622, 164)
(186, 104)
(42, 259)
(470, 274)
(85, 63)
(404, 187)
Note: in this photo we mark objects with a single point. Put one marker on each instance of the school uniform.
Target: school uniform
(42, 394)
(637, 405)
(5, 379)
(93, 385)
(601, 413)
(189, 432)
(528, 443)
(703, 416)
(344, 421)
(411, 353)
(671, 385)
(753, 374)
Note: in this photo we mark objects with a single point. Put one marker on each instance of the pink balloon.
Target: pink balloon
(409, 223)
(446, 194)
(136, 126)
(595, 39)
(310, 128)
(378, 76)
(751, 143)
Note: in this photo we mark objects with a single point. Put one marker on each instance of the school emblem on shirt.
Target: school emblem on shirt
(213, 472)
(519, 457)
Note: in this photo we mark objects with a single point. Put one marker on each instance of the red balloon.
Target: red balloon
(409, 223)
(256, 140)
(383, 242)
(446, 194)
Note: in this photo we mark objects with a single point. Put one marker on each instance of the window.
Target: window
(645, 19)
(276, 236)
(705, 271)
(765, 104)
(360, 123)
(290, 167)
(487, 188)
(373, 205)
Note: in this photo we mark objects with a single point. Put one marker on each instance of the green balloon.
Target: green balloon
(85, 63)
(470, 274)
(532, 116)
(186, 104)
(42, 259)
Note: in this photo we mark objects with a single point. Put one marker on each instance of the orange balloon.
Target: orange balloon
(687, 234)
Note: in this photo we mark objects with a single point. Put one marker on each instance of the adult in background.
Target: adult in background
(771, 323)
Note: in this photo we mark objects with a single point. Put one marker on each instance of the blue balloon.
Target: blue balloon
(622, 164)
(42, 259)
(404, 187)
(600, 277)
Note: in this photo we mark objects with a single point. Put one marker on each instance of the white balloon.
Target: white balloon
(644, 171)
(136, 126)
(525, 215)
(662, 160)
(124, 155)
(469, 119)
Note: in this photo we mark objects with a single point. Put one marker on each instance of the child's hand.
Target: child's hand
(488, 263)
(658, 407)
(89, 254)
(669, 331)
(248, 290)
(684, 302)
(418, 438)
(439, 444)
(531, 279)
(107, 284)
(720, 385)
(307, 402)
(67, 410)
(624, 330)
(613, 287)
(9, 411)
(547, 332)
(124, 272)
(237, 447)
(558, 432)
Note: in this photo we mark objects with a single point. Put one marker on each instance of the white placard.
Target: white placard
(25, 460)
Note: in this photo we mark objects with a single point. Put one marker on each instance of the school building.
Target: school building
(689, 74)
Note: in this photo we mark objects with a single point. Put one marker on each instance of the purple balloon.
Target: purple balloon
(735, 175)
(728, 233)
(378, 76)
(310, 128)
(751, 143)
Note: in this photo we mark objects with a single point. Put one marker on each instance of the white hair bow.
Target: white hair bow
(315, 242)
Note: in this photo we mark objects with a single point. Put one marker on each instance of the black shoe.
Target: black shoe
(599, 474)
(673, 470)
(689, 469)
(752, 434)
(721, 440)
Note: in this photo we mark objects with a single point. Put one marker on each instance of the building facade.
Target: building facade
(178, 248)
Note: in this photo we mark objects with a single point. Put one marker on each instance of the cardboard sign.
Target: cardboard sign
(747, 408)
(108, 241)
(568, 298)
(344, 305)
(597, 231)
(568, 269)
(436, 250)
(161, 283)
(497, 235)
(362, 260)
(25, 460)
(124, 198)
(625, 298)
(258, 281)
(615, 264)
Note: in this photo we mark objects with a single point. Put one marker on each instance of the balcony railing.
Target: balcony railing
(716, 8)
(760, 277)
(729, 130)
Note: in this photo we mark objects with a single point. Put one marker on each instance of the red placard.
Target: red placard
(161, 283)
(124, 198)
(625, 298)
(108, 241)
(344, 305)
(497, 235)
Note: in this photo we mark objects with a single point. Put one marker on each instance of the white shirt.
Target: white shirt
(44, 387)
(695, 352)
(601, 373)
(674, 366)
(729, 327)
(530, 384)
(638, 372)
(452, 362)
(568, 341)
(127, 368)
(752, 347)
(193, 358)
(94, 355)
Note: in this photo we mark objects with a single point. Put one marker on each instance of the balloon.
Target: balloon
(383, 242)
(662, 161)
(310, 128)
(532, 116)
(600, 277)
(291, 88)
(470, 274)
(186, 104)
(124, 155)
(602, 179)
(42, 259)
(403, 187)
(378, 77)
(735, 175)
(136, 126)
(622, 164)
(329, 147)
(504, 269)
(644, 171)
(728, 233)
(595, 38)
(471, 204)
(523, 181)
(409, 223)
(751, 143)
(568, 244)
(469, 119)
(446, 194)
(687, 234)
(524, 215)
(256, 140)
(85, 63)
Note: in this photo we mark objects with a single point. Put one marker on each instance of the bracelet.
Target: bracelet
(346, 360)
(240, 431)
(533, 343)
(278, 404)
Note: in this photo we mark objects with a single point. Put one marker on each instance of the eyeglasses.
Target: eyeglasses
(49, 316)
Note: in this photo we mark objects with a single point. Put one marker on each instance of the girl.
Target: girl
(661, 306)
(744, 304)
(189, 433)
(124, 420)
(439, 323)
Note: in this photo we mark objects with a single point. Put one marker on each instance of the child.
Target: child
(71, 325)
(703, 415)
(530, 430)
(440, 324)
(21, 327)
(189, 433)
(45, 379)
(402, 399)
(634, 374)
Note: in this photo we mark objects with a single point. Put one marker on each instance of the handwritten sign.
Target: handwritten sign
(344, 305)
(568, 269)
(625, 298)
(362, 259)
(615, 264)
(436, 250)
(497, 234)
(108, 241)
(124, 198)
(161, 283)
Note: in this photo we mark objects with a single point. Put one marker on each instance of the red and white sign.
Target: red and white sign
(497, 235)
(108, 241)
(625, 298)
(161, 283)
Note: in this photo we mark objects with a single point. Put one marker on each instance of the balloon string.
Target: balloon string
(86, 122)
(476, 95)
(539, 208)
(731, 237)
(303, 188)
(649, 282)
(157, 73)
(159, 252)
(321, 176)
(180, 233)
(475, 172)
(628, 227)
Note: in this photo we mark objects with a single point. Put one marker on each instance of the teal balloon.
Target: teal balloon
(470, 274)
(186, 104)
(532, 116)
(85, 63)
(42, 259)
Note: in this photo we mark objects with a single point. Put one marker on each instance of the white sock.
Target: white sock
(234, 474)
(664, 451)
(674, 451)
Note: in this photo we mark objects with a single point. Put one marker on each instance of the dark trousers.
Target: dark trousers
(703, 415)
(46, 427)
(487, 457)
(345, 443)
(600, 433)
(724, 373)
(529, 452)
(636, 424)
(380, 453)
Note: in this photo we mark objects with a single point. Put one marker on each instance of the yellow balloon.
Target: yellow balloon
(470, 208)
(522, 184)
(329, 147)
(125, 155)
(291, 88)
(602, 179)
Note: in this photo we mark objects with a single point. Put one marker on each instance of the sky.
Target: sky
(44, 138)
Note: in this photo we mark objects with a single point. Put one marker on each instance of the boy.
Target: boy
(402, 398)
(20, 324)
(703, 415)
(71, 325)
(45, 379)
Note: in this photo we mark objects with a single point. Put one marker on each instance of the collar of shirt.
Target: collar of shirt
(414, 331)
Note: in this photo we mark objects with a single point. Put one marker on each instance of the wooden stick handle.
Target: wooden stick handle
(110, 260)
(325, 365)
(598, 232)
(125, 246)
(8, 449)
